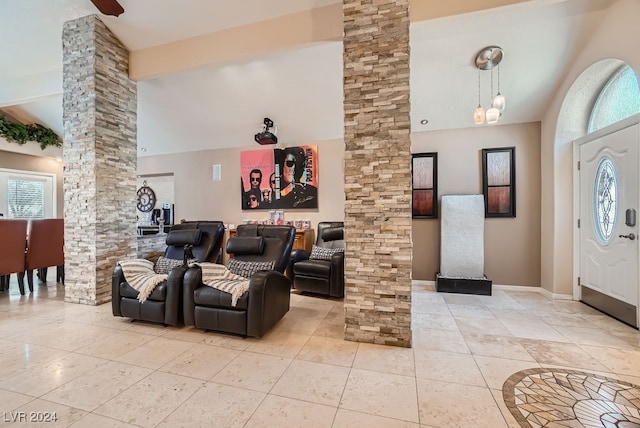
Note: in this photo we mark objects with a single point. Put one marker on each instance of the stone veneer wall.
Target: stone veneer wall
(377, 172)
(151, 246)
(100, 159)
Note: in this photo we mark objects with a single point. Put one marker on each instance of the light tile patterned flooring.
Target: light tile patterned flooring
(95, 370)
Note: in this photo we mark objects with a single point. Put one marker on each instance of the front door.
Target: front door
(608, 204)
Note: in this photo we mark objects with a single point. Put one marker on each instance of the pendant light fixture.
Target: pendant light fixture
(498, 100)
(493, 114)
(486, 59)
(478, 114)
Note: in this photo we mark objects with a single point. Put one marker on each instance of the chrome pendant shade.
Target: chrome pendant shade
(487, 59)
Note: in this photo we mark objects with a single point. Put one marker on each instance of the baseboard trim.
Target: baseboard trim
(425, 285)
(431, 286)
(555, 296)
(525, 288)
(540, 290)
(422, 282)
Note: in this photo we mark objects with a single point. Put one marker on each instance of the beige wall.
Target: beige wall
(512, 245)
(24, 162)
(431, 9)
(198, 197)
(294, 30)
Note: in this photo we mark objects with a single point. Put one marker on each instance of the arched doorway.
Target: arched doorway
(605, 93)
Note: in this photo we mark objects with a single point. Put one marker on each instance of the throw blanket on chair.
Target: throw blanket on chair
(221, 278)
(140, 275)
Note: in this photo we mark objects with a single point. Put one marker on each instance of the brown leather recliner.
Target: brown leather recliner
(321, 276)
(164, 304)
(268, 298)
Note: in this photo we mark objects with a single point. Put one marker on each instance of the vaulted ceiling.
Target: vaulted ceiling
(251, 64)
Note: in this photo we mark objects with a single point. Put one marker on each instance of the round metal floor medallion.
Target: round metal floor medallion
(571, 398)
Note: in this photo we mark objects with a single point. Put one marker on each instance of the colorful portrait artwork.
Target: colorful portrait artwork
(256, 169)
(280, 178)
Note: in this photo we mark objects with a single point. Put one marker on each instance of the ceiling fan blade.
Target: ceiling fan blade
(109, 7)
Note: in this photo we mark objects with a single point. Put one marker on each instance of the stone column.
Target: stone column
(100, 159)
(377, 172)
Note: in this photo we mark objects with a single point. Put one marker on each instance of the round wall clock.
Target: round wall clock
(146, 199)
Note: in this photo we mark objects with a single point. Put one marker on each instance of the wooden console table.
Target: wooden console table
(304, 240)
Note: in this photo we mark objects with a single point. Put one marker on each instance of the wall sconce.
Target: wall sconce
(487, 59)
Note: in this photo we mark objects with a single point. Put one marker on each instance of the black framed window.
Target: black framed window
(424, 193)
(499, 181)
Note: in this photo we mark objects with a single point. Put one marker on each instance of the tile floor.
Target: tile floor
(94, 370)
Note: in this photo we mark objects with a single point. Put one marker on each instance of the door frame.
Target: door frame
(625, 123)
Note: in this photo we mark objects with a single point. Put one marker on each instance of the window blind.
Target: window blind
(25, 198)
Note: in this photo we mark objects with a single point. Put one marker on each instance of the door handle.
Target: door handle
(630, 236)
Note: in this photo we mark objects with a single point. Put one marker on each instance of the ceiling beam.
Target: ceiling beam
(235, 44)
(422, 10)
(317, 25)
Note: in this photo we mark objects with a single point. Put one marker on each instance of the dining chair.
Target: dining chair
(45, 248)
(13, 238)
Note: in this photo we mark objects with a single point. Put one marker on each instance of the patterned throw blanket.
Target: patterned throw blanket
(140, 276)
(221, 278)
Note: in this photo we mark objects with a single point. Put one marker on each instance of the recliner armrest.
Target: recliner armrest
(269, 299)
(116, 278)
(296, 256)
(192, 279)
(173, 299)
(336, 283)
(337, 258)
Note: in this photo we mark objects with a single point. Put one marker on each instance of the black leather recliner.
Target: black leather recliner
(268, 298)
(164, 304)
(324, 277)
